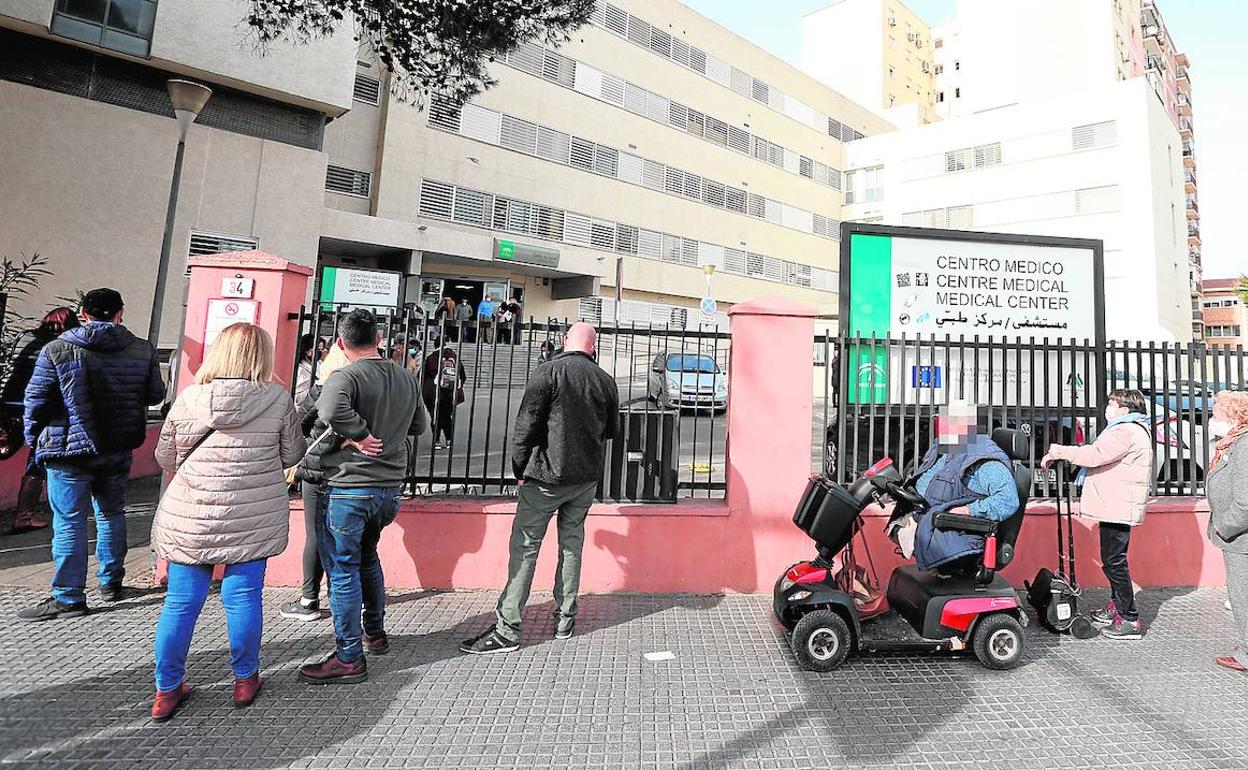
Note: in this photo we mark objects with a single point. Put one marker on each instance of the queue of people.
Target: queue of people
(493, 319)
(234, 442)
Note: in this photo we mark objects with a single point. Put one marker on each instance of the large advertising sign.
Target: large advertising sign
(937, 285)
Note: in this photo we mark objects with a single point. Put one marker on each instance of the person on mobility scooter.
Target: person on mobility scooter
(967, 499)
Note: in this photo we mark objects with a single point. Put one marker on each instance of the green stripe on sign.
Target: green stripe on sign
(870, 312)
(870, 271)
(329, 277)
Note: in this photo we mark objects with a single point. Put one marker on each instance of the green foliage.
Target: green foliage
(18, 278)
(429, 46)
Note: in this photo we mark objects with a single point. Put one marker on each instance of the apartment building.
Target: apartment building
(1099, 163)
(994, 54)
(878, 53)
(655, 145)
(1224, 315)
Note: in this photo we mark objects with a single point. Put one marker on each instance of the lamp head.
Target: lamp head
(188, 99)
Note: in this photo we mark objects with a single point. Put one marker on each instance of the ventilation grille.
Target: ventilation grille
(367, 89)
(513, 133)
(1094, 135)
(440, 200)
(56, 67)
(601, 85)
(348, 181)
(218, 243)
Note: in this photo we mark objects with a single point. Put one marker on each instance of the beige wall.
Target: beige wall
(85, 184)
(410, 151)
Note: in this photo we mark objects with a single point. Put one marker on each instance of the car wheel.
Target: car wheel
(998, 641)
(821, 641)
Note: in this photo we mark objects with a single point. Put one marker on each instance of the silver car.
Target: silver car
(687, 381)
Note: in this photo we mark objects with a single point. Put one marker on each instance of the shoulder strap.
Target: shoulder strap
(198, 443)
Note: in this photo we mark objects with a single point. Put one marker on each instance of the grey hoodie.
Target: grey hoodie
(227, 501)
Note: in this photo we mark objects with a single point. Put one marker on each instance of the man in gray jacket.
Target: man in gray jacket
(570, 409)
(373, 404)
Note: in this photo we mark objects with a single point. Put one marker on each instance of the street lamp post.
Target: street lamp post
(188, 98)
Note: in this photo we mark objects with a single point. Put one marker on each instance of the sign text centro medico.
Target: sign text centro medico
(994, 289)
(350, 288)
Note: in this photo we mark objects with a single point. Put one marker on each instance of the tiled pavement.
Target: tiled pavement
(74, 694)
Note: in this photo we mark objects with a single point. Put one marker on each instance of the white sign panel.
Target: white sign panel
(995, 290)
(375, 290)
(238, 287)
(226, 312)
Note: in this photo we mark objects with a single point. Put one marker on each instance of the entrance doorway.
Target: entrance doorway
(474, 290)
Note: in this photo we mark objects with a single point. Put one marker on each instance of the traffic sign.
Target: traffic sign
(709, 305)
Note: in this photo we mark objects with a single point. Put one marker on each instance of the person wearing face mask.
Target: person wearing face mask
(1116, 470)
(1226, 486)
(967, 473)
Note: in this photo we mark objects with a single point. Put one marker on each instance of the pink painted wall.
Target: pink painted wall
(743, 543)
(12, 469)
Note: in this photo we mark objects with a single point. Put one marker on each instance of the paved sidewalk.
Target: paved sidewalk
(74, 694)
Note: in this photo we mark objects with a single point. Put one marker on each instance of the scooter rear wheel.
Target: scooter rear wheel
(821, 640)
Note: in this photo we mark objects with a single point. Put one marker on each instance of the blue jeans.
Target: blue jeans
(75, 488)
(184, 598)
(347, 532)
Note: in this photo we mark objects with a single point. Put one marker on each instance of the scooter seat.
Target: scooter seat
(920, 596)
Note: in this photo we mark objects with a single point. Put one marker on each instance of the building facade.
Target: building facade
(878, 53)
(1224, 315)
(652, 146)
(1100, 163)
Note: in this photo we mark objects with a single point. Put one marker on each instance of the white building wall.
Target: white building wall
(1012, 52)
(843, 47)
(1126, 189)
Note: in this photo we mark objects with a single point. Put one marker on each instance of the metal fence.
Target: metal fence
(880, 395)
(672, 385)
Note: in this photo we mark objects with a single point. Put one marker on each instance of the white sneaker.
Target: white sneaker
(1227, 605)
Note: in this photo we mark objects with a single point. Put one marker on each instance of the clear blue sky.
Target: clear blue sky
(1211, 32)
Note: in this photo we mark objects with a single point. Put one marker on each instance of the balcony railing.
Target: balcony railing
(1193, 230)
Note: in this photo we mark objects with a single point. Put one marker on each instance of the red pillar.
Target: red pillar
(771, 402)
(272, 289)
(240, 286)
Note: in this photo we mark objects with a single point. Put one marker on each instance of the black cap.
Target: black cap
(102, 304)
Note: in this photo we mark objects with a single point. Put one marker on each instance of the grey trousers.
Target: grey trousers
(1237, 590)
(535, 504)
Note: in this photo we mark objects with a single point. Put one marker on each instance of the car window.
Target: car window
(679, 363)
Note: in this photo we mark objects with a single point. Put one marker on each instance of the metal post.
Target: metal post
(162, 269)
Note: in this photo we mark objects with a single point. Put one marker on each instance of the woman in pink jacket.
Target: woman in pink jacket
(1118, 468)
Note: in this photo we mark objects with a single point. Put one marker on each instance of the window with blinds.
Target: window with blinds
(957, 160)
(1094, 135)
(348, 181)
(988, 155)
(367, 89)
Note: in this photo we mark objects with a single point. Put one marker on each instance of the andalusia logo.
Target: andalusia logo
(870, 371)
(1074, 381)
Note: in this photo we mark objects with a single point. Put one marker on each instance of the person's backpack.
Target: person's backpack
(448, 376)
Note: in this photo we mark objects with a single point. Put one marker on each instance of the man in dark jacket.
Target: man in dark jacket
(570, 409)
(86, 412)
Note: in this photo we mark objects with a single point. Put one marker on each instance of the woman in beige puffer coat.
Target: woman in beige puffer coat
(227, 440)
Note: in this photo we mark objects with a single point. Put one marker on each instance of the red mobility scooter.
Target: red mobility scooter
(963, 605)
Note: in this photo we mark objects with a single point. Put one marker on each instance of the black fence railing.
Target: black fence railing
(672, 385)
(879, 397)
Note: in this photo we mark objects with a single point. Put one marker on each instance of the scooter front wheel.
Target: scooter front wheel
(821, 640)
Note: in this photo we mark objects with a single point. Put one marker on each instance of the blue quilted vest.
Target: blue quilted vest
(947, 490)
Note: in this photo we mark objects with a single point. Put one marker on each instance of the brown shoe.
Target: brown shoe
(245, 690)
(166, 703)
(334, 671)
(377, 645)
(26, 521)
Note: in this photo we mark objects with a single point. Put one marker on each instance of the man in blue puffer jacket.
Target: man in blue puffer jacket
(86, 412)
